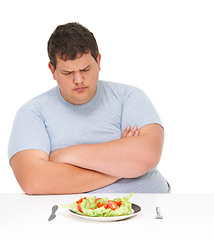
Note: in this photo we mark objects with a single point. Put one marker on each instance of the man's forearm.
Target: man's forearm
(68, 179)
(126, 157)
(36, 175)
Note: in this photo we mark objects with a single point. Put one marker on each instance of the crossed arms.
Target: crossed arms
(83, 168)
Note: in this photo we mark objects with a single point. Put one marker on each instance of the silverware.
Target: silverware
(53, 215)
(159, 216)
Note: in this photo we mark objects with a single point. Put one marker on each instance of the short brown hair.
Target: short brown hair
(70, 40)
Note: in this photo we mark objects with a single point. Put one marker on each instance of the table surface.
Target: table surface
(185, 216)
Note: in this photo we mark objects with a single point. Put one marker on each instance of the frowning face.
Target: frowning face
(77, 79)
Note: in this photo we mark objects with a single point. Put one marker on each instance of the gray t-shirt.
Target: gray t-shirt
(48, 122)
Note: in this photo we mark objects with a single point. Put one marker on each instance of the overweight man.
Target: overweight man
(85, 134)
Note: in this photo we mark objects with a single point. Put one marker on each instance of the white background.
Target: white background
(164, 47)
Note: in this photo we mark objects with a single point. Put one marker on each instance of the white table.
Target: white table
(185, 216)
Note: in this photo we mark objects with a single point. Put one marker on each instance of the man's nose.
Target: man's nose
(78, 78)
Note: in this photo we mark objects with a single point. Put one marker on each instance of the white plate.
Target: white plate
(135, 210)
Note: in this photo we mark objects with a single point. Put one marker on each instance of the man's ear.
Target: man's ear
(98, 60)
(52, 70)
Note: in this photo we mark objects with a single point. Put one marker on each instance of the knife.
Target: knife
(53, 215)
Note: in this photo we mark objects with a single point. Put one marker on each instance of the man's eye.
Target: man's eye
(85, 70)
(67, 73)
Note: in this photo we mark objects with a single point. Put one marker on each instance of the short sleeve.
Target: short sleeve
(137, 109)
(28, 132)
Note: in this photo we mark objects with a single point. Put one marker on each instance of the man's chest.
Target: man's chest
(66, 128)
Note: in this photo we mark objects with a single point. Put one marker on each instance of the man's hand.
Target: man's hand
(128, 132)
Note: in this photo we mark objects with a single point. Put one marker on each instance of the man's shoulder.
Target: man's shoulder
(113, 84)
(40, 100)
(119, 88)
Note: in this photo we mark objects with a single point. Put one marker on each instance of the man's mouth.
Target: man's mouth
(80, 89)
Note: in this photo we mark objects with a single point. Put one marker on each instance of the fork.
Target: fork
(159, 216)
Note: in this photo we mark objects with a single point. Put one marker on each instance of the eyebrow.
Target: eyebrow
(85, 68)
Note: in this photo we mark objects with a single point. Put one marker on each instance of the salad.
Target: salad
(101, 207)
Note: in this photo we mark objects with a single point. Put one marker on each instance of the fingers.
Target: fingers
(134, 132)
(128, 132)
(137, 132)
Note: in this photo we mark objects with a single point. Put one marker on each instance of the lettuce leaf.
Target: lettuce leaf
(89, 207)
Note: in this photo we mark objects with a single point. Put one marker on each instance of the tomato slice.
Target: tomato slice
(105, 206)
(99, 204)
(112, 204)
(97, 199)
(79, 207)
(119, 203)
(80, 200)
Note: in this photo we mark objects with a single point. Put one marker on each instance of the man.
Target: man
(85, 134)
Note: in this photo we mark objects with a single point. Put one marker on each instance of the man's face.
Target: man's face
(77, 79)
